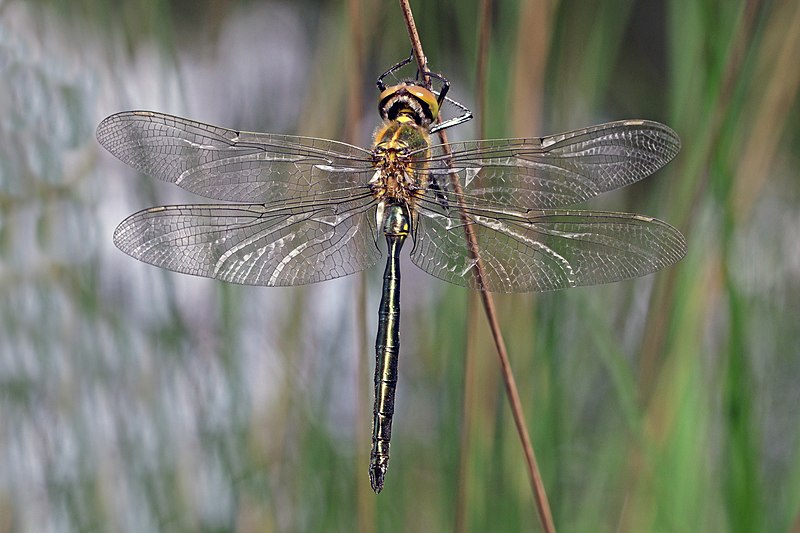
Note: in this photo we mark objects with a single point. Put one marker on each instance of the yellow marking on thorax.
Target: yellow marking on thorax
(405, 116)
(396, 177)
(393, 142)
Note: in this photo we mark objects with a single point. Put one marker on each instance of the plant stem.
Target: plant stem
(539, 493)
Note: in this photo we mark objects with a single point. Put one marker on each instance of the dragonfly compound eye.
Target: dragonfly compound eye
(408, 99)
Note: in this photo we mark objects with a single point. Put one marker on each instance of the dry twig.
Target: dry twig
(540, 495)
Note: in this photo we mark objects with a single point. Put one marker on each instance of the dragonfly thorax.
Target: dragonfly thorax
(399, 152)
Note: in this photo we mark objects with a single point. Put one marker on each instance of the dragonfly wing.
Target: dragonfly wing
(231, 165)
(556, 171)
(252, 244)
(545, 250)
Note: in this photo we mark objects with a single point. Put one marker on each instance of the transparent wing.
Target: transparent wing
(543, 250)
(253, 244)
(230, 165)
(556, 171)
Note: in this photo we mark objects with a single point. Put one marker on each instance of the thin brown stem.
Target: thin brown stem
(413, 36)
(540, 495)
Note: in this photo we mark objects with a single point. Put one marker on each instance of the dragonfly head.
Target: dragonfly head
(409, 102)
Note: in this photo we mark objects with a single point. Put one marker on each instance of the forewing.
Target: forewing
(545, 250)
(556, 171)
(254, 245)
(224, 164)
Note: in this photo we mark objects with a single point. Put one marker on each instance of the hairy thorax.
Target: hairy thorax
(400, 149)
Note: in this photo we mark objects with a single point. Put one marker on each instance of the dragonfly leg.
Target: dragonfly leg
(465, 116)
(397, 66)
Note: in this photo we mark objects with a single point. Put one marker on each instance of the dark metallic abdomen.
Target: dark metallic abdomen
(387, 344)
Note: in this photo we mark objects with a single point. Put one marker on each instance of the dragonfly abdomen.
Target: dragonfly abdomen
(387, 344)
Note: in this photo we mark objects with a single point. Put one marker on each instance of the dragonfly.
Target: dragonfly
(303, 210)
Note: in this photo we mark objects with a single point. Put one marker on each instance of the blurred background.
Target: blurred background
(135, 399)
